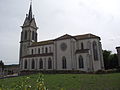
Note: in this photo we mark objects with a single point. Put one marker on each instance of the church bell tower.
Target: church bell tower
(28, 33)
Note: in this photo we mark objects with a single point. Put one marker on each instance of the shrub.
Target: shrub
(25, 85)
(111, 70)
(118, 69)
(100, 72)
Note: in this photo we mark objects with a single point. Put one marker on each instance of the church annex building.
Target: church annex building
(67, 52)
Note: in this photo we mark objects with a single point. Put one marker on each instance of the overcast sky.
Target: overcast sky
(58, 17)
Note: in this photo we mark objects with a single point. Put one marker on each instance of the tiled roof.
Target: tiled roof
(86, 36)
(77, 37)
(66, 36)
(117, 47)
(42, 43)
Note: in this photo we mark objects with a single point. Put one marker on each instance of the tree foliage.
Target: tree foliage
(2, 65)
(110, 60)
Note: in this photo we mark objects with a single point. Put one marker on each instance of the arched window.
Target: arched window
(36, 37)
(81, 63)
(46, 50)
(33, 35)
(25, 37)
(49, 63)
(82, 46)
(32, 51)
(33, 64)
(38, 50)
(95, 52)
(64, 63)
(25, 64)
(41, 64)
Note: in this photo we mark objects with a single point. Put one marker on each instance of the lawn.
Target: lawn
(67, 81)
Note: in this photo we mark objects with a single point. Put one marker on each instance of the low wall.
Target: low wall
(28, 72)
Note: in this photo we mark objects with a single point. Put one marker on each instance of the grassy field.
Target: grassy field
(68, 81)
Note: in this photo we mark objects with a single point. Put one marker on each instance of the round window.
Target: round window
(63, 46)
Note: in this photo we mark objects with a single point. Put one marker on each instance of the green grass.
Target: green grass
(69, 81)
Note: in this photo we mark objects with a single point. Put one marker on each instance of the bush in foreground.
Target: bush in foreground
(25, 85)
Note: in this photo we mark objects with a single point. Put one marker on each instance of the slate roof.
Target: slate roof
(29, 19)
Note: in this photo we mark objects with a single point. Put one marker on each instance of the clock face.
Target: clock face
(63, 46)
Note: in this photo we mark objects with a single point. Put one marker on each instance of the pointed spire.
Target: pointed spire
(30, 12)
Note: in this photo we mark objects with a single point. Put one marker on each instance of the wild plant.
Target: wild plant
(40, 83)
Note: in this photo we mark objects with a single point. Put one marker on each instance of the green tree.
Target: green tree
(113, 61)
(110, 60)
(2, 65)
(106, 55)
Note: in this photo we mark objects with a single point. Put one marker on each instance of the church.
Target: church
(67, 52)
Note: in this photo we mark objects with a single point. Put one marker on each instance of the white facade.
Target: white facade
(81, 52)
(71, 50)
